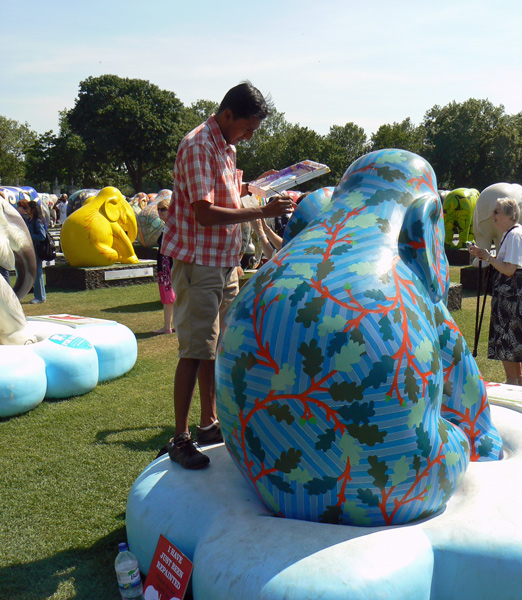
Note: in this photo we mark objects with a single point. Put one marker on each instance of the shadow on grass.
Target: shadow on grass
(90, 571)
(140, 307)
(146, 335)
(127, 438)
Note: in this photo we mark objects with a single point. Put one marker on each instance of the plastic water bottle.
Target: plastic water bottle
(128, 573)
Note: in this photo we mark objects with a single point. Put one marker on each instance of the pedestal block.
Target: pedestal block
(63, 276)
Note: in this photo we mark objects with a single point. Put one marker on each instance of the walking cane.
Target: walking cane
(478, 323)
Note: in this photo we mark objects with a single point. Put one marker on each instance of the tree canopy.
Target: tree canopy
(129, 122)
(470, 143)
(15, 139)
(125, 132)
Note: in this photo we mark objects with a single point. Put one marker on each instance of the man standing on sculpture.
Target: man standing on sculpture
(203, 236)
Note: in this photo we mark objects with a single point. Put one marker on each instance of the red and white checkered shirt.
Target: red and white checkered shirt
(205, 169)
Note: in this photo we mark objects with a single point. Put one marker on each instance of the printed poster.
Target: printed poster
(169, 573)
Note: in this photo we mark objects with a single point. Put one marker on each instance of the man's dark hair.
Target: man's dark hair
(245, 101)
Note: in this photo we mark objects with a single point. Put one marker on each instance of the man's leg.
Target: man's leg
(207, 392)
(181, 447)
(184, 386)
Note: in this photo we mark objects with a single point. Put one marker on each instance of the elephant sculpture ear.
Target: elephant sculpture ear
(112, 208)
(421, 245)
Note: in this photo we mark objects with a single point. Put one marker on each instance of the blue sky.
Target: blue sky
(324, 63)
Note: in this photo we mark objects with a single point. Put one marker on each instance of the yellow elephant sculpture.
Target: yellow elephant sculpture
(100, 233)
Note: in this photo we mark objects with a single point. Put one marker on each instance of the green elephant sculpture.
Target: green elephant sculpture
(101, 232)
(458, 207)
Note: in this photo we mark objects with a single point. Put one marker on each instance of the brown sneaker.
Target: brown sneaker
(213, 435)
(183, 450)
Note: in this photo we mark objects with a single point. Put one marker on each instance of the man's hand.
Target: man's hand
(278, 207)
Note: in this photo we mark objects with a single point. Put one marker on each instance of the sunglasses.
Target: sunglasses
(162, 209)
(496, 211)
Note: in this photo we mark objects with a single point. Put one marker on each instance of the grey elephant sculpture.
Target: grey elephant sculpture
(486, 234)
(16, 252)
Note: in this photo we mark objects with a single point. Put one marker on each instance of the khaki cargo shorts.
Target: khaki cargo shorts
(203, 295)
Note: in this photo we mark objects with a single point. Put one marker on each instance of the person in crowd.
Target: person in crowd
(62, 208)
(167, 295)
(505, 332)
(281, 222)
(268, 238)
(52, 214)
(34, 219)
(203, 236)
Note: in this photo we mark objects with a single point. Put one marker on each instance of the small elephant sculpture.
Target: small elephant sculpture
(458, 208)
(138, 202)
(150, 226)
(346, 393)
(9, 194)
(486, 234)
(16, 252)
(100, 233)
(78, 198)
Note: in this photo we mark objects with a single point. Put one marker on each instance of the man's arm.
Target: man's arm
(208, 214)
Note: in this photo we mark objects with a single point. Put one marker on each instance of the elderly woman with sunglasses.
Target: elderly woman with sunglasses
(505, 332)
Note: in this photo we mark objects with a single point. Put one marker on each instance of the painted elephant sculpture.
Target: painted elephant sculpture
(150, 226)
(29, 193)
(14, 194)
(458, 208)
(486, 234)
(16, 252)
(77, 199)
(346, 393)
(9, 194)
(101, 232)
(138, 202)
(306, 211)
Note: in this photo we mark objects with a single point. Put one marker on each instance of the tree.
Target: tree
(197, 113)
(41, 162)
(462, 142)
(301, 143)
(343, 145)
(263, 151)
(404, 136)
(15, 139)
(63, 160)
(128, 123)
(278, 144)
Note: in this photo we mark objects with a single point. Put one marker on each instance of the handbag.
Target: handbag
(46, 249)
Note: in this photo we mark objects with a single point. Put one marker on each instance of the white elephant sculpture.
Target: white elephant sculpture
(486, 234)
(16, 252)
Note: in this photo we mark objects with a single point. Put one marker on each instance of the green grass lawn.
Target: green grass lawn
(68, 465)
